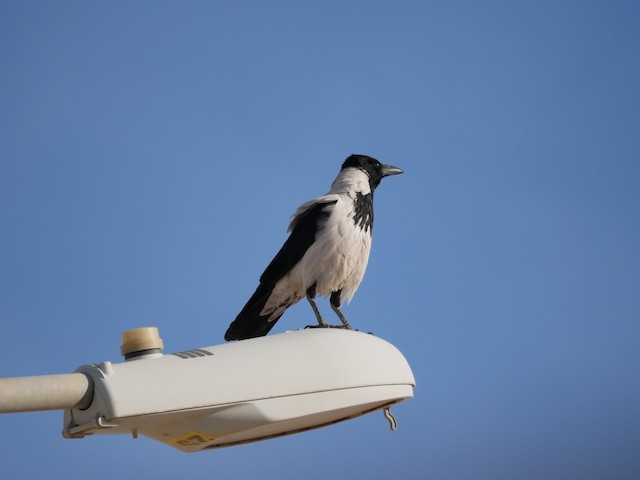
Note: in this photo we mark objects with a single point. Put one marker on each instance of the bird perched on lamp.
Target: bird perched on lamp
(326, 253)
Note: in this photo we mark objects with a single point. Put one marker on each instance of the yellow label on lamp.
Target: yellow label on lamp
(192, 439)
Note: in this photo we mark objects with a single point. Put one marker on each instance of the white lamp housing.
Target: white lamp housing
(243, 391)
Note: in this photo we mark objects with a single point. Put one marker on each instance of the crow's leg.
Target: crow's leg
(335, 305)
(311, 293)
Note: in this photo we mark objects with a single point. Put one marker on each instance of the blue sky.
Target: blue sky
(151, 154)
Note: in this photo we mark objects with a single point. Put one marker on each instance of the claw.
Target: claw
(326, 325)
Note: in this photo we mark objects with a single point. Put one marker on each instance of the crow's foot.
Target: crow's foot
(326, 325)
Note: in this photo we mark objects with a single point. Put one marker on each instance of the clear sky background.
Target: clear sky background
(151, 154)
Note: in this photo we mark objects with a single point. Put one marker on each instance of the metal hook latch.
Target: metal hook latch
(392, 421)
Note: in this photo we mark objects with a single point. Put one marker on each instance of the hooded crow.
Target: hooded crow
(326, 253)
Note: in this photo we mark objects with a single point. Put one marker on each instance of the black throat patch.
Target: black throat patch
(363, 211)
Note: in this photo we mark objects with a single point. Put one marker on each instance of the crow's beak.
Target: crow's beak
(390, 170)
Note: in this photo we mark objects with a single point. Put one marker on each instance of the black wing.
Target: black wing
(249, 323)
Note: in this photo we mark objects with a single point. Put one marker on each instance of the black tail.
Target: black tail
(249, 323)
